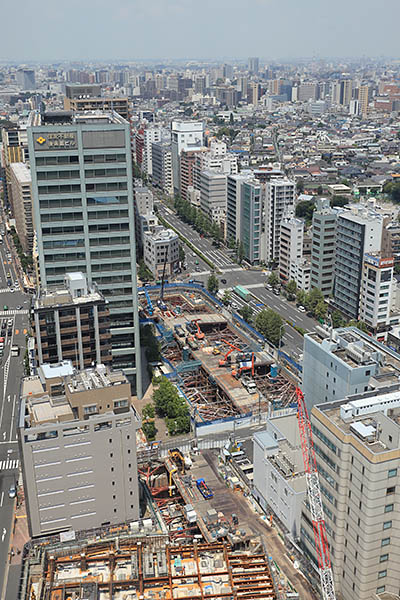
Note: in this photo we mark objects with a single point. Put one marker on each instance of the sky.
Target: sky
(51, 30)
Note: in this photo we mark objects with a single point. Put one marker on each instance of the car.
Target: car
(269, 287)
(19, 307)
(12, 492)
(11, 290)
(301, 308)
(5, 307)
(223, 281)
(276, 292)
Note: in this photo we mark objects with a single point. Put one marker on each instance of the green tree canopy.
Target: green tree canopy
(273, 279)
(170, 404)
(305, 209)
(392, 188)
(269, 323)
(320, 310)
(247, 313)
(291, 289)
(337, 319)
(227, 297)
(339, 201)
(359, 324)
(313, 297)
(301, 297)
(212, 284)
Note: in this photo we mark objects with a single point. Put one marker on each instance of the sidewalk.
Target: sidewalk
(19, 537)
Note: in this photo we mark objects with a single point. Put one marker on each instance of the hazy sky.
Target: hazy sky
(134, 29)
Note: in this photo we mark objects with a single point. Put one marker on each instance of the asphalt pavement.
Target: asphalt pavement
(11, 372)
(231, 274)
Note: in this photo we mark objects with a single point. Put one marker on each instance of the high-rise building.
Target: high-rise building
(254, 64)
(84, 215)
(363, 99)
(185, 135)
(233, 205)
(213, 196)
(323, 247)
(291, 245)
(162, 167)
(279, 200)
(357, 447)
(307, 91)
(26, 79)
(71, 322)
(14, 149)
(77, 441)
(21, 190)
(251, 220)
(376, 294)
(358, 232)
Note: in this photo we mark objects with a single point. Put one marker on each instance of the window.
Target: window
(385, 542)
(392, 472)
(382, 574)
(390, 490)
(383, 558)
(387, 525)
(389, 508)
(380, 589)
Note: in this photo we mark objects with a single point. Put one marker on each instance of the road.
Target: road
(11, 372)
(231, 274)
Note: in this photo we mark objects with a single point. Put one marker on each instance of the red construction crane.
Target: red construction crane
(199, 334)
(237, 373)
(315, 499)
(224, 361)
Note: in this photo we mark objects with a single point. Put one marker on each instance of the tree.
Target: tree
(320, 190)
(144, 272)
(291, 289)
(305, 209)
(301, 297)
(392, 188)
(148, 411)
(247, 313)
(182, 255)
(320, 310)
(227, 297)
(397, 266)
(150, 430)
(300, 186)
(212, 284)
(337, 319)
(339, 201)
(359, 324)
(313, 298)
(273, 279)
(170, 404)
(270, 324)
(240, 252)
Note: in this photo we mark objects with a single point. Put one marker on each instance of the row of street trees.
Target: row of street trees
(171, 406)
(195, 217)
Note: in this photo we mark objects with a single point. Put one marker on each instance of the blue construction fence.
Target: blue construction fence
(290, 361)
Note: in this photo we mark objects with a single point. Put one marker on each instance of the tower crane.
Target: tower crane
(315, 499)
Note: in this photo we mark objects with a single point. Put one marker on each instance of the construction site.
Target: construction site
(129, 568)
(220, 365)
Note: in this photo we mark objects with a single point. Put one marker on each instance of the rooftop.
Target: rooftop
(22, 172)
(65, 117)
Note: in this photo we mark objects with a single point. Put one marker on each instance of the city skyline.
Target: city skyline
(138, 30)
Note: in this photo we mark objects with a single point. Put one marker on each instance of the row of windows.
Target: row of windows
(74, 159)
(91, 200)
(109, 227)
(117, 172)
(76, 188)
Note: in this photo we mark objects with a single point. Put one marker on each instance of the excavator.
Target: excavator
(236, 373)
(224, 362)
(178, 458)
(199, 334)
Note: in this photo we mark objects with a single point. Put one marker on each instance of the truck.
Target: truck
(15, 350)
(249, 384)
(204, 489)
(180, 332)
(242, 292)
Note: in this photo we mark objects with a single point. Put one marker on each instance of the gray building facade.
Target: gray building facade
(77, 441)
(84, 215)
(323, 247)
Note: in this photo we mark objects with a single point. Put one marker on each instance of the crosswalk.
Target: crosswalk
(10, 313)
(9, 465)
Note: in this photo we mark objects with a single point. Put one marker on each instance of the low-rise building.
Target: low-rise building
(291, 246)
(376, 292)
(77, 442)
(279, 478)
(213, 196)
(72, 322)
(161, 251)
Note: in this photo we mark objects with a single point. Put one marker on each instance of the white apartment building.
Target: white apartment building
(377, 286)
(279, 478)
(162, 167)
(217, 159)
(213, 196)
(291, 245)
(300, 273)
(161, 247)
(279, 200)
(21, 188)
(185, 135)
(150, 136)
(144, 200)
